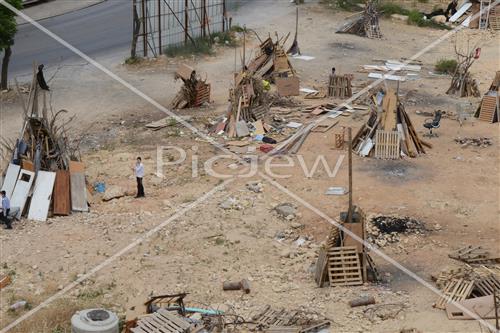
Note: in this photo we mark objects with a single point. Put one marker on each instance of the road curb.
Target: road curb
(68, 12)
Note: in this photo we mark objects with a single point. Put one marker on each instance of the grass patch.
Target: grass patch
(198, 46)
(133, 60)
(387, 9)
(445, 66)
(418, 19)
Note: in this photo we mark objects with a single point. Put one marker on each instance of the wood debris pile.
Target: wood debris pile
(476, 142)
(472, 285)
(195, 91)
(168, 313)
(44, 176)
(389, 132)
(271, 60)
(462, 83)
(344, 260)
(365, 24)
(480, 14)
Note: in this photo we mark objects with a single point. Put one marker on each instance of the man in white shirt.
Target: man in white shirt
(139, 174)
(4, 214)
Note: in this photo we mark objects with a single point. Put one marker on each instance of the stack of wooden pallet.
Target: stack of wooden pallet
(194, 92)
(390, 132)
(364, 24)
(343, 260)
(489, 109)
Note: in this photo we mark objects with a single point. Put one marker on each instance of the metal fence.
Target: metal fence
(159, 24)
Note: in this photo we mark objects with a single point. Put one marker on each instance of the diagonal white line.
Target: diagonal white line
(211, 140)
(118, 254)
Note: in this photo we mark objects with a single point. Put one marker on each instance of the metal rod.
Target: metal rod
(159, 28)
(144, 28)
(349, 212)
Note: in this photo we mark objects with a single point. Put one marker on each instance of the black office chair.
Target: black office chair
(433, 123)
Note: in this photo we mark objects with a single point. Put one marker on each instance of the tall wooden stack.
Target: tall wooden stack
(391, 130)
(365, 24)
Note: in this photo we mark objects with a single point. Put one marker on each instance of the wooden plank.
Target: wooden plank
(321, 267)
(62, 193)
(78, 192)
(42, 195)
(389, 105)
(22, 189)
(9, 182)
(75, 167)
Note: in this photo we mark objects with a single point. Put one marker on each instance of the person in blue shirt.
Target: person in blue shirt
(4, 214)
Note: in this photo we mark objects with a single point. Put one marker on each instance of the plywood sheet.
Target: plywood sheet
(78, 192)
(62, 193)
(42, 195)
(484, 307)
(75, 167)
(10, 179)
(22, 190)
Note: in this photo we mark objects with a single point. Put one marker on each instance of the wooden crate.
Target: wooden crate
(489, 107)
(456, 290)
(161, 321)
(387, 145)
(344, 267)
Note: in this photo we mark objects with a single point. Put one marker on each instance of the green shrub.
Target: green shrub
(418, 19)
(132, 60)
(387, 9)
(445, 66)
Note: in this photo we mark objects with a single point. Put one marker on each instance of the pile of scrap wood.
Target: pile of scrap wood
(472, 286)
(462, 83)
(478, 15)
(168, 313)
(248, 103)
(388, 133)
(343, 260)
(44, 175)
(364, 24)
(195, 91)
(489, 109)
(271, 60)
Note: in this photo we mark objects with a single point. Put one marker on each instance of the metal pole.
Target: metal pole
(224, 13)
(186, 19)
(159, 28)
(144, 28)
(204, 18)
(349, 212)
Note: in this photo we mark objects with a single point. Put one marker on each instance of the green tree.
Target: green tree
(8, 28)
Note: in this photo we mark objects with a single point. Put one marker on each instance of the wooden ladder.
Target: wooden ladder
(484, 14)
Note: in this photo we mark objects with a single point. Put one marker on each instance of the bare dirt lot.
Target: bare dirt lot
(453, 190)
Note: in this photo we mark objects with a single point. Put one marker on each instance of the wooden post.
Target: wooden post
(350, 212)
(144, 28)
(159, 28)
(204, 18)
(186, 21)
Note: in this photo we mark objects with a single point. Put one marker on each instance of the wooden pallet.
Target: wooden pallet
(489, 107)
(283, 329)
(387, 145)
(270, 317)
(340, 86)
(344, 267)
(494, 18)
(202, 94)
(161, 321)
(456, 290)
(470, 254)
(321, 274)
(486, 286)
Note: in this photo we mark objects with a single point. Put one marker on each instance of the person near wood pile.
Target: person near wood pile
(4, 215)
(139, 175)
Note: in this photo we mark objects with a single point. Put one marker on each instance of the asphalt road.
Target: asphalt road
(97, 30)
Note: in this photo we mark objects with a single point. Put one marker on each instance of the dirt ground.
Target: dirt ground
(453, 190)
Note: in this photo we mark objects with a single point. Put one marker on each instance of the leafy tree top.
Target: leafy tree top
(8, 25)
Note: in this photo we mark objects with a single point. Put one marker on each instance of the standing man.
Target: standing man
(139, 175)
(4, 215)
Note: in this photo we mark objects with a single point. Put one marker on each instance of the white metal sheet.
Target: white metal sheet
(10, 179)
(42, 194)
(460, 12)
(22, 190)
